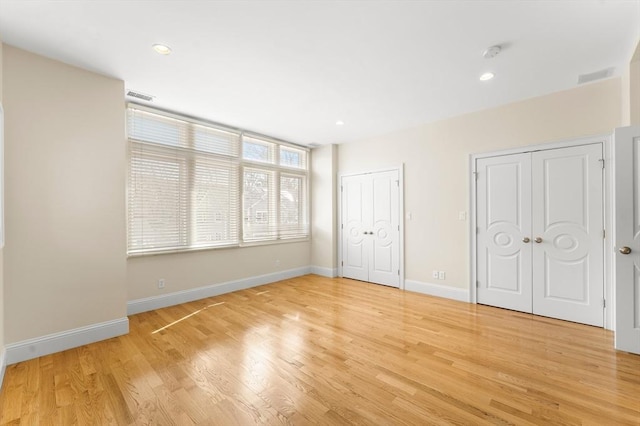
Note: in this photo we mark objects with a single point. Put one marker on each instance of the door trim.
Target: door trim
(606, 142)
(400, 171)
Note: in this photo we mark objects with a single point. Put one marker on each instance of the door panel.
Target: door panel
(627, 235)
(568, 277)
(355, 257)
(504, 220)
(385, 253)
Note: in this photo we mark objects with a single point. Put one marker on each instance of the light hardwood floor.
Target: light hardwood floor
(313, 350)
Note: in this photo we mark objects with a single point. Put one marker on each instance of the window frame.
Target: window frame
(190, 155)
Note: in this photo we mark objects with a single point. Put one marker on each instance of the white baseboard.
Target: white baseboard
(439, 290)
(178, 297)
(3, 365)
(325, 272)
(56, 342)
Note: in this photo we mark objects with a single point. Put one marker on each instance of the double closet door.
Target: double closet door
(370, 227)
(540, 233)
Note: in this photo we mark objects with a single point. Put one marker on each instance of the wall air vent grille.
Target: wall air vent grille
(139, 95)
(598, 75)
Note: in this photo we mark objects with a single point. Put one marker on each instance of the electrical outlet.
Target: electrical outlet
(441, 275)
(161, 283)
(435, 274)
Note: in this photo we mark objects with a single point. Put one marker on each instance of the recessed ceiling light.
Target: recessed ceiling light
(486, 76)
(339, 123)
(162, 49)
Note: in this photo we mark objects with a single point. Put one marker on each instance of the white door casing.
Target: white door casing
(370, 213)
(554, 196)
(504, 220)
(568, 263)
(627, 236)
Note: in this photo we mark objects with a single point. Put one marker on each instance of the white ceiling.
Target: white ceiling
(290, 69)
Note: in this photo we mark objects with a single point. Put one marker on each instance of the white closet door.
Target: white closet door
(568, 275)
(356, 220)
(370, 227)
(504, 225)
(627, 238)
(384, 233)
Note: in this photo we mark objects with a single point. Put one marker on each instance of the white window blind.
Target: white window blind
(183, 184)
(194, 185)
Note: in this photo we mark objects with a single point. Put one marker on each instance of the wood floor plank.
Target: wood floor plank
(314, 350)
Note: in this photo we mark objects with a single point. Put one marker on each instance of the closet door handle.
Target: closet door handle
(526, 240)
(538, 240)
(625, 250)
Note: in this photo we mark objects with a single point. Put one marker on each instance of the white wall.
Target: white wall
(65, 192)
(436, 158)
(323, 208)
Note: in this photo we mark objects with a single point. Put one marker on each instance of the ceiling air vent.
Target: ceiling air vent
(139, 95)
(598, 75)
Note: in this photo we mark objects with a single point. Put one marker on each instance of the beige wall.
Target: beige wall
(65, 192)
(1, 250)
(185, 271)
(436, 159)
(323, 206)
(65, 263)
(630, 90)
(634, 88)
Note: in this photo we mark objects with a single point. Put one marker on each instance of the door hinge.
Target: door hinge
(341, 188)
(398, 271)
(477, 284)
(342, 263)
(342, 226)
(604, 233)
(602, 161)
(398, 227)
(475, 175)
(604, 303)
(398, 183)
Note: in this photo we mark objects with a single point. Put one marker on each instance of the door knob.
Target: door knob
(625, 250)
(526, 240)
(538, 240)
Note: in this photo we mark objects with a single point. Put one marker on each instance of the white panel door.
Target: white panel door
(384, 233)
(370, 228)
(627, 238)
(504, 229)
(568, 223)
(356, 220)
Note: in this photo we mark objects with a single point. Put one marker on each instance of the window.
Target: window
(274, 202)
(194, 185)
